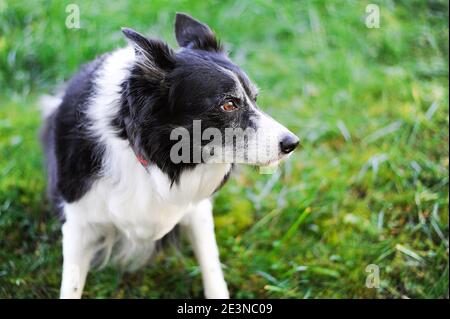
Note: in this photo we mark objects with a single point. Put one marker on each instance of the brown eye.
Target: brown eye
(229, 106)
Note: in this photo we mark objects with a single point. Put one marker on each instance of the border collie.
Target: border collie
(109, 145)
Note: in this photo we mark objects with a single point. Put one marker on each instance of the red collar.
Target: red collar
(142, 160)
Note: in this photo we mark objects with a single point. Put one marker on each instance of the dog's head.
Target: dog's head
(196, 101)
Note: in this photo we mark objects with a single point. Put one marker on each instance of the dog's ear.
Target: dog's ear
(154, 56)
(191, 33)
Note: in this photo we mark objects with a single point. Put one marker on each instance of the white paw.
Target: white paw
(217, 291)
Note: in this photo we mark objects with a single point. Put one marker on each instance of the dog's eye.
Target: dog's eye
(229, 106)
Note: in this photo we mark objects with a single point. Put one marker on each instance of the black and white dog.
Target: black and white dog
(113, 173)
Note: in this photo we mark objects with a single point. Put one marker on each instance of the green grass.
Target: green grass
(369, 186)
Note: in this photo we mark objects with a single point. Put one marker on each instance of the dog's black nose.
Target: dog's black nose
(289, 143)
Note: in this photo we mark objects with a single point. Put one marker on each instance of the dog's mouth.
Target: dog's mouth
(248, 153)
(274, 162)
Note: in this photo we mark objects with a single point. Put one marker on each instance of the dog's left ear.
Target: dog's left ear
(193, 34)
(154, 56)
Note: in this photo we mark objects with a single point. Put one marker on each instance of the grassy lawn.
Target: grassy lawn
(369, 186)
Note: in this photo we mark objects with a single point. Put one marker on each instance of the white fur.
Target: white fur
(264, 146)
(199, 226)
(258, 146)
(131, 207)
(48, 104)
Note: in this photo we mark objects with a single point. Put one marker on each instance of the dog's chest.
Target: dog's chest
(144, 205)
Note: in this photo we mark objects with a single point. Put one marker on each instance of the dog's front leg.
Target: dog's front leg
(199, 225)
(77, 253)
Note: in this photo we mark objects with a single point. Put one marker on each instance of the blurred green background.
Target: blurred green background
(370, 185)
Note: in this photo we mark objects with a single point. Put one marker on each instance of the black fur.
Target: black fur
(188, 85)
(73, 156)
(164, 90)
(193, 34)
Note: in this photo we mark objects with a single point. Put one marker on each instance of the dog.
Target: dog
(113, 174)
